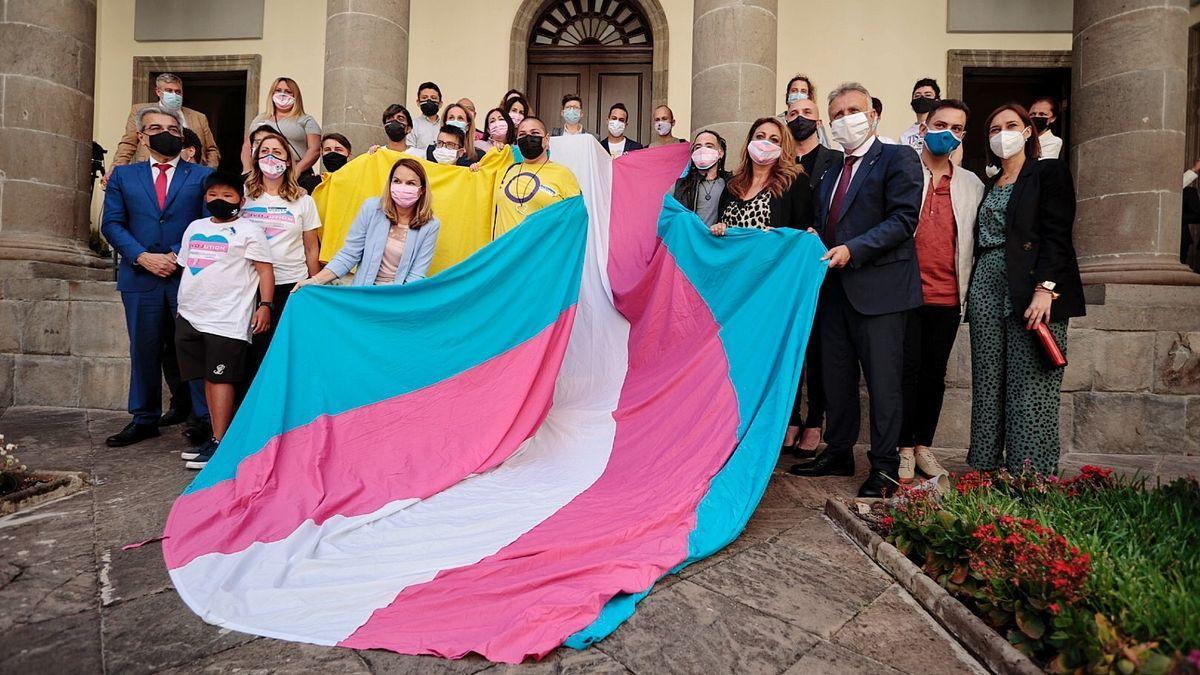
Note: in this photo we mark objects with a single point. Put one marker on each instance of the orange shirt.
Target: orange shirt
(935, 240)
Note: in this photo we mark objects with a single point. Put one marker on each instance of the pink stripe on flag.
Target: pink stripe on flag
(676, 426)
(316, 471)
(639, 182)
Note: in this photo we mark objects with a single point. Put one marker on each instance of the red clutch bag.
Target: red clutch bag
(1054, 354)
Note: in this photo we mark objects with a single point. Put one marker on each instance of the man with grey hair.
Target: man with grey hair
(867, 211)
(147, 207)
(169, 89)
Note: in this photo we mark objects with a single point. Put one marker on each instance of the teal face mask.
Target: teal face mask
(458, 123)
(572, 115)
(941, 142)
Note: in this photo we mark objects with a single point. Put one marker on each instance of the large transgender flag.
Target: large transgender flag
(505, 457)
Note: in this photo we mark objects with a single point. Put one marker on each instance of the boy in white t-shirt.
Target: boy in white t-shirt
(225, 261)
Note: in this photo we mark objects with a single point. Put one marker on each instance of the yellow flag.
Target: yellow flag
(462, 201)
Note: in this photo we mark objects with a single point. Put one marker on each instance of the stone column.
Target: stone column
(366, 66)
(1128, 92)
(47, 75)
(733, 66)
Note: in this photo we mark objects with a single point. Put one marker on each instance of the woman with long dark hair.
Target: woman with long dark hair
(1025, 275)
(704, 185)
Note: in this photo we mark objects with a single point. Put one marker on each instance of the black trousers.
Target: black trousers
(851, 340)
(812, 384)
(927, 344)
(260, 342)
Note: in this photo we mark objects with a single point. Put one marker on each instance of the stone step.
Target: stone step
(1142, 295)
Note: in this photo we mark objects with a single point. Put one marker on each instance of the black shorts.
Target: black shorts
(214, 358)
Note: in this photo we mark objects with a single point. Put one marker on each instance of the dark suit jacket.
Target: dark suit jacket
(1038, 247)
(793, 209)
(133, 224)
(630, 144)
(879, 216)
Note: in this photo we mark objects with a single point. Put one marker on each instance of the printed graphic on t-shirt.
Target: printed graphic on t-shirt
(274, 220)
(204, 250)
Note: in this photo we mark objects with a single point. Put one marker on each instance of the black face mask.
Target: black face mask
(221, 209)
(530, 146)
(1041, 123)
(332, 161)
(802, 128)
(922, 105)
(166, 144)
(395, 131)
(429, 108)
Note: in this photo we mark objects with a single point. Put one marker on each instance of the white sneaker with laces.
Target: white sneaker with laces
(907, 465)
(928, 463)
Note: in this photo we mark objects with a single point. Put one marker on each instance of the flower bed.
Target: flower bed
(1092, 574)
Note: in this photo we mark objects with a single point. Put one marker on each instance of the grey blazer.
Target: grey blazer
(367, 239)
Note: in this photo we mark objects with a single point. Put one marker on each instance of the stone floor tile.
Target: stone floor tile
(764, 524)
(808, 592)
(897, 631)
(817, 537)
(156, 632)
(564, 661)
(37, 430)
(829, 659)
(265, 656)
(689, 629)
(1170, 468)
(47, 591)
(67, 645)
(50, 532)
(383, 662)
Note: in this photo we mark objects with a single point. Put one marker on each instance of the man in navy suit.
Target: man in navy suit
(867, 211)
(147, 206)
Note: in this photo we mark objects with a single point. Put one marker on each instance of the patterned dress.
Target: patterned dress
(1015, 395)
(754, 212)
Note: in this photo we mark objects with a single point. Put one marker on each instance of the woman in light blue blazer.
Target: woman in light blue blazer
(392, 239)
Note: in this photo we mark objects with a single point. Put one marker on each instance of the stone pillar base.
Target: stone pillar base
(54, 250)
(1159, 270)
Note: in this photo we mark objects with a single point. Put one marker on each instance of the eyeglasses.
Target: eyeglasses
(153, 129)
(448, 145)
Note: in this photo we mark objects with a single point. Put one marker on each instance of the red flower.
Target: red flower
(888, 521)
(1054, 608)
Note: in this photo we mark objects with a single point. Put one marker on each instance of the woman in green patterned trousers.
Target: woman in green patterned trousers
(1025, 273)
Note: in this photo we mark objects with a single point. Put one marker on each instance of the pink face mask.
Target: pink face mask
(271, 166)
(704, 158)
(498, 130)
(517, 118)
(405, 195)
(763, 151)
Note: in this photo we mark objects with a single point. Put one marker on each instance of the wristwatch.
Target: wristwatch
(268, 304)
(1048, 286)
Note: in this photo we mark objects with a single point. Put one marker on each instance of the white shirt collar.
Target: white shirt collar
(174, 162)
(862, 149)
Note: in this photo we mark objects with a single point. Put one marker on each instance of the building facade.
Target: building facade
(1126, 71)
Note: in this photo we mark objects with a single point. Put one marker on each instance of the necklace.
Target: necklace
(712, 185)
(534, 184)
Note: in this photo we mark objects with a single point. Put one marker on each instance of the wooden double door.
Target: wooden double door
(599, 85)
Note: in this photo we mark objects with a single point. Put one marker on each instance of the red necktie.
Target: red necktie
(160, 185)
(835, 207)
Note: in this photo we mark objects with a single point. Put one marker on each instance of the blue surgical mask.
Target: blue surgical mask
(458, 123)
(171, 101)
(796, 96)
(941, 142)
(572, 115)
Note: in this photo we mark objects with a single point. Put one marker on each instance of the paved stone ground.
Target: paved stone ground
(790, 596)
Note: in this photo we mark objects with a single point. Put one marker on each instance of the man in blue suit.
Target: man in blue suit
(147, 206)
(867, 210)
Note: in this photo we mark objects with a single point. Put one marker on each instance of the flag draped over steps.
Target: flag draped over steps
(506, 456)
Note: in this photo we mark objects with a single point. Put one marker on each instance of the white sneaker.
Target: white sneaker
(907, 465)
(928, 463)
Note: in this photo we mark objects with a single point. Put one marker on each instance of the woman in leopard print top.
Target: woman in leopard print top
(769, 189)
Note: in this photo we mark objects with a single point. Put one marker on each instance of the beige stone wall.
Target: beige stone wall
(885, 45)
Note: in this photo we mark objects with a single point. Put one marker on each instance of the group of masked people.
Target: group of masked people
(916, 245)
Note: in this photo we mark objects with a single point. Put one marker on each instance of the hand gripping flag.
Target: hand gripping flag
(505, 457)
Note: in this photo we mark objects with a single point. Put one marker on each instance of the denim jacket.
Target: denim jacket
(368, 238)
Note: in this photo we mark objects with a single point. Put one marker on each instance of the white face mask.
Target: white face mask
(445, 155)
(662, 127)
(616, 127)
(850, 131)
(1007, 143)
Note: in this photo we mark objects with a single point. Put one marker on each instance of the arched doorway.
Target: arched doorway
(603, 50)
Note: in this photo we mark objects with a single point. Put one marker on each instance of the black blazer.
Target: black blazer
(1038, 247)
(878, 218)
(793, 209)
(630, 144)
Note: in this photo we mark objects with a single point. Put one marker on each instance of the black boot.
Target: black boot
(132, 433)
(878, 484)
